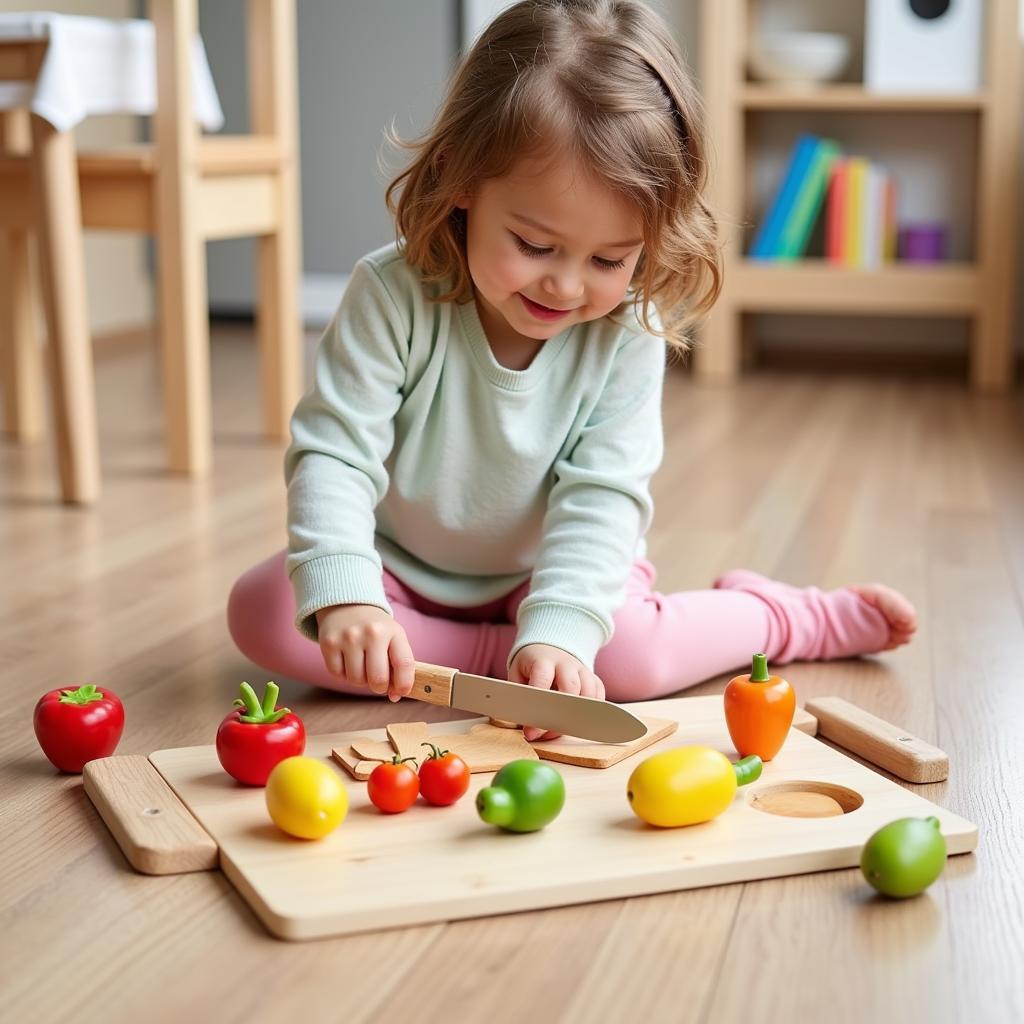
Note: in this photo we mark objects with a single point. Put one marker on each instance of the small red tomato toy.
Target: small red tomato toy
(75, 726)
(444, 777)
(394, 786)
(254, 737)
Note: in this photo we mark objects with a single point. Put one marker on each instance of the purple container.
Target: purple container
(922, 243)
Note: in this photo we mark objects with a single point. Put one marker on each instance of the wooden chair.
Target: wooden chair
(184, 190)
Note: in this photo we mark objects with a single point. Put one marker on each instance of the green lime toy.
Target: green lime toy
(904, 857)
(524, 796)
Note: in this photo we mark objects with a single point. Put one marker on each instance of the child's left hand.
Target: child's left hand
(552, 668)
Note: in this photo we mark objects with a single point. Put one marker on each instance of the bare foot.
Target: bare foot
(898, 611)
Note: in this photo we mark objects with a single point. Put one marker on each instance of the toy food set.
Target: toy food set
(669, 806)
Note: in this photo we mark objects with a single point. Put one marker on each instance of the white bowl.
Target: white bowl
(799, 58)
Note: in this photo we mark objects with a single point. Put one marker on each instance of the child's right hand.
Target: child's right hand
(365, 646)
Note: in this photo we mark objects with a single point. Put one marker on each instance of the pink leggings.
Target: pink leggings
(662, 642)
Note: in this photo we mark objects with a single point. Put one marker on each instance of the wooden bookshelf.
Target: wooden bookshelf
(816, 286)
(982, 291)
(852, 97)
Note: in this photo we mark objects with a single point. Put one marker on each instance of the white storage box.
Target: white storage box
(923, 46)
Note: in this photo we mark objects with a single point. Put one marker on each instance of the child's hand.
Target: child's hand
(366, 647)
(552, 668)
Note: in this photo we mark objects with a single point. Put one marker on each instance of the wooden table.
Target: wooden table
(920, 485)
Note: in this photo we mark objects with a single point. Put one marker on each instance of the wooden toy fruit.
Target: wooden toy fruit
(393, 786)
(256, 736)
(306, 798)
(904, 857)
(687, 785)
(444, 776)
(759, 710)
(77, 725)
(524, 796)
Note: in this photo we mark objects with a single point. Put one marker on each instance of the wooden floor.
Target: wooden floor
(810, 478)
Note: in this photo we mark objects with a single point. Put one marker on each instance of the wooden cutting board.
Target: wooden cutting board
(436, 864)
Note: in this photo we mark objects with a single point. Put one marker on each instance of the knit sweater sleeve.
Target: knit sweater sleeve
(342, 433)
(598, 509)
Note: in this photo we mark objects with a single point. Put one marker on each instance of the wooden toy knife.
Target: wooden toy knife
(584, 717)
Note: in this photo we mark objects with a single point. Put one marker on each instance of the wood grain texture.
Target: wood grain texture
(570, 750)
(913, 482)
(486, 747)
(155, 831)
(879, 742)
(805, 722)
(432, 684)
(798, 804)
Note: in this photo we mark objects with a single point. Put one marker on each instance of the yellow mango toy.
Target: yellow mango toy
(687, 785)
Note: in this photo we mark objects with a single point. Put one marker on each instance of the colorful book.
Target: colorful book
(835, 212)
(860, 214)
(890, 219)
(874, 217)
(796, 230)
(853, 242)
(768, 237)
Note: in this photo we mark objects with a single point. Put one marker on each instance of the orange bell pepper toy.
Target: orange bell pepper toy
(759, 710)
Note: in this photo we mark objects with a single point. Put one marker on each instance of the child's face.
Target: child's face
(548, 246)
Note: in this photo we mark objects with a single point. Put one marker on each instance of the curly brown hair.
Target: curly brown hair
(605, 78)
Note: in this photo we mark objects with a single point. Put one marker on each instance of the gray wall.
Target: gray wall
(362, 64)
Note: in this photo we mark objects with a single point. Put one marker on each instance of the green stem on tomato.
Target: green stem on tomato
(85, 694)
(435, 751)
(257, 713)
(270, 698)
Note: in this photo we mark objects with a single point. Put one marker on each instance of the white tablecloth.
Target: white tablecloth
(98, 66)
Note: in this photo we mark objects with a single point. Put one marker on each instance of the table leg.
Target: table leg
(21, 368)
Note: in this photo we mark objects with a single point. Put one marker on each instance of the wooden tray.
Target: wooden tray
(436, 864)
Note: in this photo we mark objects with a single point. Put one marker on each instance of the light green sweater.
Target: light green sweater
(415, 448)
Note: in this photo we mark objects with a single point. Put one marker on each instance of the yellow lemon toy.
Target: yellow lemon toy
(306, 798)
(687, 785)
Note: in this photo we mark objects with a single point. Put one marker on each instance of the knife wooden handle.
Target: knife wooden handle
(433, 684)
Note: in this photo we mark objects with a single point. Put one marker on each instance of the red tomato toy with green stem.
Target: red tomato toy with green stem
(75, 726)
(254, 737)
(393, 786)
(444, 776)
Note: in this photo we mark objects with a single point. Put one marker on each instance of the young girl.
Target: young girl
(468, 476)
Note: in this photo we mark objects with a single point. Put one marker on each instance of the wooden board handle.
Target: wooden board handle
(433, 684)
(805, 722)
(877, 741)
(154, 829)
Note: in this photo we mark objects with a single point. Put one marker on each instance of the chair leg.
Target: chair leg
(21, 365)
(181, 250)
(184, 344)
(273, 110)
(279, 327)
(69, 348)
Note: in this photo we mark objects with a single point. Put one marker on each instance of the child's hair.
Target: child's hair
(605, 79)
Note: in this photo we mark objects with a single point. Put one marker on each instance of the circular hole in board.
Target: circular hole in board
(805, 800)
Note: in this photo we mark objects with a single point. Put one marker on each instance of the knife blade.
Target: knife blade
(584, 717)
